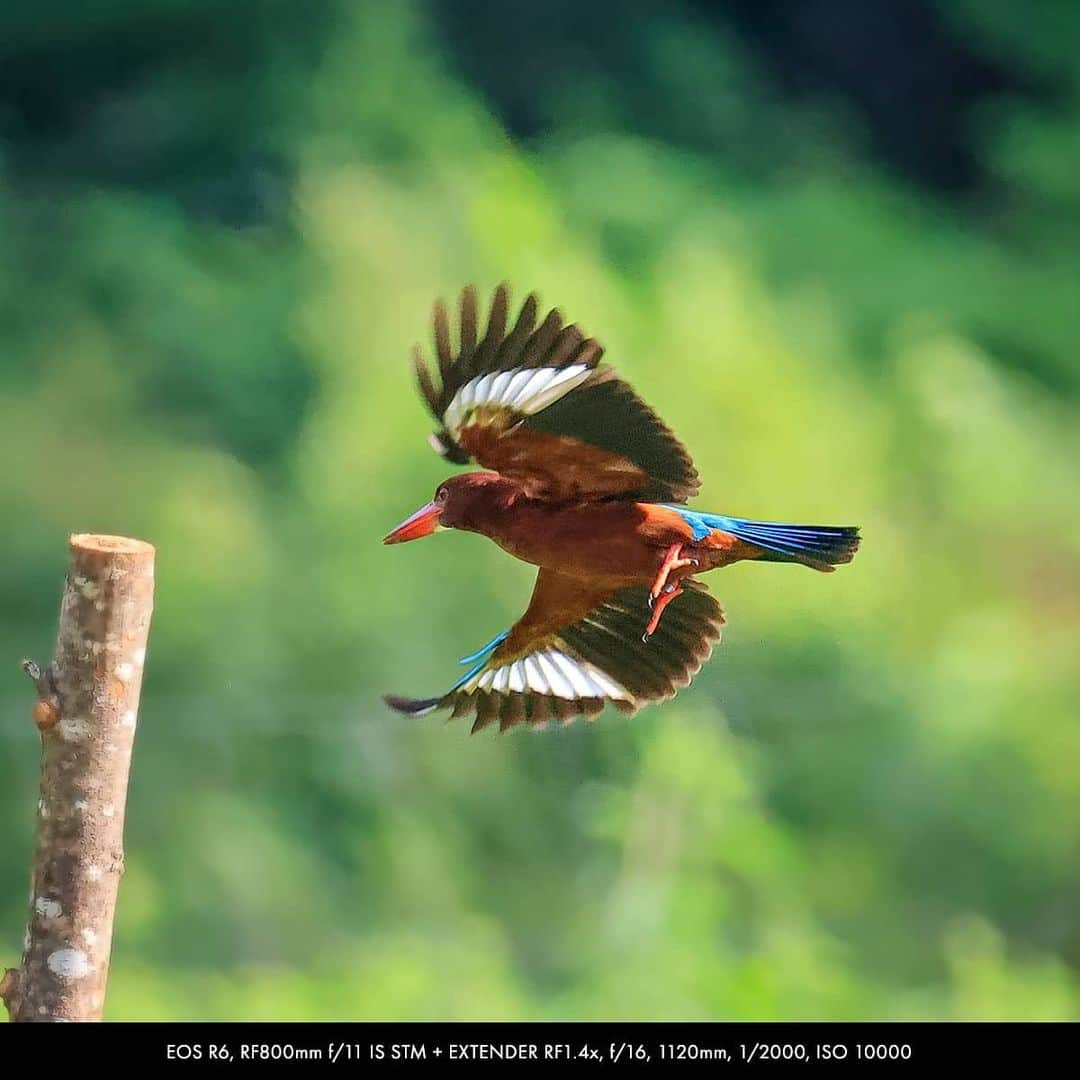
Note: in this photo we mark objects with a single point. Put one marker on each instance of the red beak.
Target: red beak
(423, 523)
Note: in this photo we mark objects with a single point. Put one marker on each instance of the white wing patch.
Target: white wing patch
(554, 671)
(522, 390)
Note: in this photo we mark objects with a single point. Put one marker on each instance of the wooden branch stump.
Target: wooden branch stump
(86, 711)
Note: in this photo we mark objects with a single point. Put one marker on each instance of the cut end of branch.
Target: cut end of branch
(99, 544)
(95, 556)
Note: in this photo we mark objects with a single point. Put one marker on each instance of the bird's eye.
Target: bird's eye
(440, 496)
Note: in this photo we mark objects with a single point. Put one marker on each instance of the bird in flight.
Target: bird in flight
(584, 481)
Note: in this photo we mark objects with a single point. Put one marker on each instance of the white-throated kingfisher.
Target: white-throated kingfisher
(588, 484)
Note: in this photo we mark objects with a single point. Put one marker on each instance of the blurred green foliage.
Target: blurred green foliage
(215, 264)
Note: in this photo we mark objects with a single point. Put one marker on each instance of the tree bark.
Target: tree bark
(86, 711)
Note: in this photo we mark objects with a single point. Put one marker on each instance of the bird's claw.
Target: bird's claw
(668, 588)
(669, 593)
(672, 561)
(663, 591)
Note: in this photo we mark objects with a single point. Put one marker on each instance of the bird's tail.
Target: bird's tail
(822, 547)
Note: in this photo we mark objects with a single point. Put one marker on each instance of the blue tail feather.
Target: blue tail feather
(819, 546)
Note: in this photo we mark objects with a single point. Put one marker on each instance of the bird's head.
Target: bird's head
(459, 503)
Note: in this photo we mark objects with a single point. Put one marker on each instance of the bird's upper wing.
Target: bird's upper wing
(534, 403)
(577, 648)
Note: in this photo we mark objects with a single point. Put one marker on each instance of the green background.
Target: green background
(852, 290)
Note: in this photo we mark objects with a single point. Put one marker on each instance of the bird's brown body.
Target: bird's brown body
(616, 543)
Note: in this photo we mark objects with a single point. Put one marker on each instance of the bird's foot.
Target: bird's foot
(669, 593)
(673, 560)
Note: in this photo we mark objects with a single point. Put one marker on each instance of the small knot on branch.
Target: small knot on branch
(9, 989)
(46, 711)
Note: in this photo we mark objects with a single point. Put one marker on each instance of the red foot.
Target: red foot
(665, 598)
(672, 561)
(662, 592)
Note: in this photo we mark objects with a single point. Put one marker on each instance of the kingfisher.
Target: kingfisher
(582, 479)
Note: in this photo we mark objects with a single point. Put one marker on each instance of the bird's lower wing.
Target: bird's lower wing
(575, 650)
